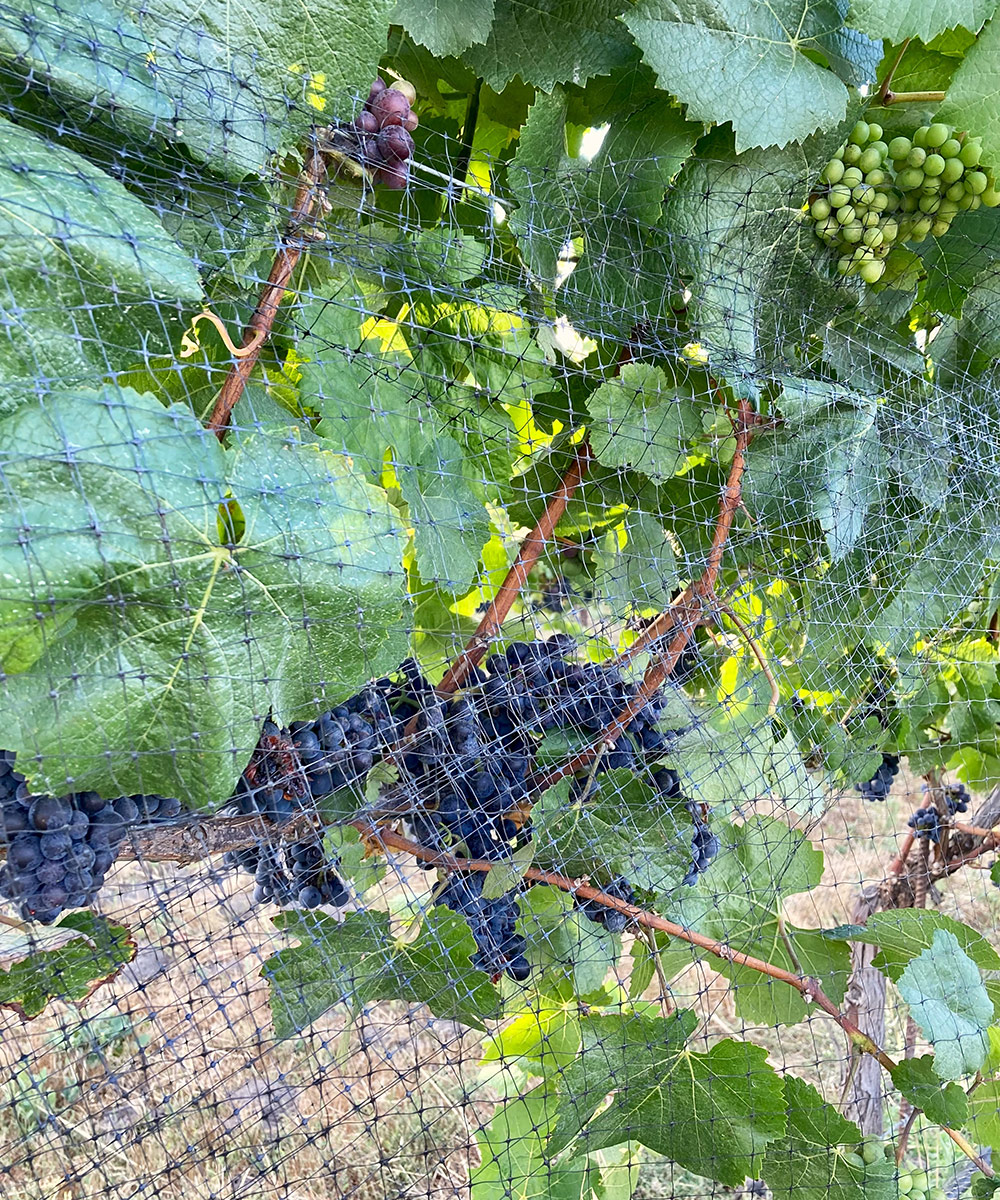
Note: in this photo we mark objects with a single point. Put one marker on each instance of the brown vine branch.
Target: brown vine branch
(515, 579)
(260, 324)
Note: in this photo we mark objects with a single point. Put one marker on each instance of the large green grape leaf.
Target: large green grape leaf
(944, 1103)
(953, 262)
(620, 278)
(445, 27)
(745, 64)
(713, 1113)
(515, 1165)
(359, 961)
(895, 20)
(945, 992)
(67, 962)
(831, 469)
(216, 82)
(635, 566)
(546, 42)
(973, 99)
(70, 238)
(809, 1163)
(647, 419)
(738, 900)
(570, 955)
(738, 235)
(177, 641)
(906, 932)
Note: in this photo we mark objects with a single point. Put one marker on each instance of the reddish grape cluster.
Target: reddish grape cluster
(383, 131)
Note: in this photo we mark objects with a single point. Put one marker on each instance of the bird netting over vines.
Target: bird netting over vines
(499, 639)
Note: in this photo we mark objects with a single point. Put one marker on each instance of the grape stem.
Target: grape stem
(260, 324)
(883, 88)
(911, 98)
(758, 655)
(806, 986)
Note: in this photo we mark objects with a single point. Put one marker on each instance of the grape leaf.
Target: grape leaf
(738, 901)
(635, 567)
(60, 967)
(979, 326)
(646, 419)
(973, 99)
(984, 1113)
(68, 234)
(906, 932)
(515, 1165)
(953, 262)
(569, 954)
(944, 1103)
(445, 27)
(357, 961)
(945, 992)
(769, 89)
(713, 1113)
(546, 42)
(807, 1164)
(924, 19)
(118, 506)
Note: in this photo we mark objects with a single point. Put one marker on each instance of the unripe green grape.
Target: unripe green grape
(849, 1156)
(920, 135)
(874, 132)
(975, 203)
(899, 148)
(917, 1194)
(921, 1181)
(892, 201)
(819, 210)
(909, 202)
(889, 230)
(870, 220)
(873, 238)
(876, 177)
(904, 1182)
(881, 202)
(859, 134)
(971, 151)
(852, 155)
(956, 192)
(929, 204)
(870, 272)
(940, 227)
(937, 1193)
(951, 148)
(844, 264)
(833, 172)
(864, 193)
(953, 170)
(975, 183)
(841, 195)
(948, 209)
(967, 201)
(828, 230)
(937, 135)
(871, 1151)
(910, 179)
(920, 229)
(845, 214)
(852, 177)
(870, 160)
(917, 157)
(852, 233)
(990, 198)
(933, 165)
(931, 187)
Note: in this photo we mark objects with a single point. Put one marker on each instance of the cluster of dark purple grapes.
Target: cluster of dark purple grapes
(926, 823)
(493, 924)
(880, 784)
(292, 873)
(59, 848)
(608, 918)
(380, 136)
(957, 798)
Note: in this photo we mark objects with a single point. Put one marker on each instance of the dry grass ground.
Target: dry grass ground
(169, 1083)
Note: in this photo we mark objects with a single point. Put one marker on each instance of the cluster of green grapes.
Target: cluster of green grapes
(913, 1185)
(873, 194)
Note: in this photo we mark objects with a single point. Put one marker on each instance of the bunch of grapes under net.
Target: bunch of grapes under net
(608, 918)
(875, 194)
(379, 137)
(926, 823)
(499, 947)
(914, 1184)
(59, 848)
(956, 797)
(292, 873)
(880, 784)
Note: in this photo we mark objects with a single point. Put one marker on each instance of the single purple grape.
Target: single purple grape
(393, 177)
(395, 144)
(411, 122)
(390, 108)
(376, 89)
(365, 122)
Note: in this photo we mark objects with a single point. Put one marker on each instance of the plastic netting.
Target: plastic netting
(209, 639)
